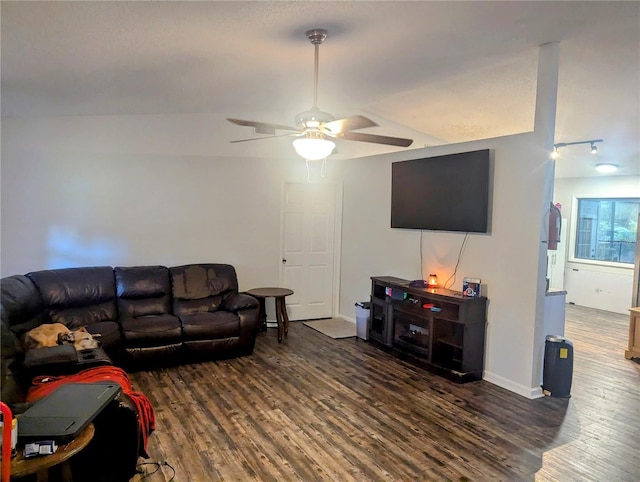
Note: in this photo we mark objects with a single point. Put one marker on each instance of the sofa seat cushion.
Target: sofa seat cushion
(210, 326)
(151, 330)
(109, 331)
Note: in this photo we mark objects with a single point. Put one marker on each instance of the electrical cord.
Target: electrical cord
(157, 465)
(455, 270)
(421, 273)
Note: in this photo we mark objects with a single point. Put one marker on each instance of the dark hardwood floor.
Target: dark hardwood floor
(315, 408)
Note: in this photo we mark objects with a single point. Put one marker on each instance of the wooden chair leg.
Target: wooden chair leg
(280, 319)
(285, 316)
(65, 471)
(42, 475)
(262, 315)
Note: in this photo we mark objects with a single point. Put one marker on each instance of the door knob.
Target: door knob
(284, 260)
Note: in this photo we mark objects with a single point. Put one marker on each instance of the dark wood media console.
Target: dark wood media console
(447, 336)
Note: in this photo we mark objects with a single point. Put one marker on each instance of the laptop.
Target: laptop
(65, 412)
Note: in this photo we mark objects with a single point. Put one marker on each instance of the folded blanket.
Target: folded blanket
(43, 385)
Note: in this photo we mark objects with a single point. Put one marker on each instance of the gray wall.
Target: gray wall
(127, 190)
(68, 201)
(506, 260)
(76, 192)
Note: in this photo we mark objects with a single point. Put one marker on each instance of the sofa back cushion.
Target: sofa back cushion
(200, 288)
(143, 290)
(22, 308)
(78, 297)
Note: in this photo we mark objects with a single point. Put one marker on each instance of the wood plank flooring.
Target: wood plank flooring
(315, 408)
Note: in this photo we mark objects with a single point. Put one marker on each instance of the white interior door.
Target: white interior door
(308, 224)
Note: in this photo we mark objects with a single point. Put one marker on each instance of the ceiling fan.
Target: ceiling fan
(315, 127)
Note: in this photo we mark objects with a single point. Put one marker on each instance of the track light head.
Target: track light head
(594, 149)
(554, 153)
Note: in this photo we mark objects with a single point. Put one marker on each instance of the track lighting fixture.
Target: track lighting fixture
(592, 144)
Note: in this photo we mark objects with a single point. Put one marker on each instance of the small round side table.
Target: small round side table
(40, 466)
(281, 308)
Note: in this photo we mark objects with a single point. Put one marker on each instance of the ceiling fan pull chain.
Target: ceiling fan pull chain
(308, 174)
(324, 163)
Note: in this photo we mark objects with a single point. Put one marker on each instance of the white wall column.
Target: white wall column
(544, 128)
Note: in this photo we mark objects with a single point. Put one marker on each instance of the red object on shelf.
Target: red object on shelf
(555, 225)
(428, 306)
(7, 418)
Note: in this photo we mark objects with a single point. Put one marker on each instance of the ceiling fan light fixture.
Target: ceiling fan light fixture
(313, 125)
(313, 149)
(606, 167)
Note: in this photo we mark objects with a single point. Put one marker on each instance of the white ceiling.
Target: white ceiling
(437, 72)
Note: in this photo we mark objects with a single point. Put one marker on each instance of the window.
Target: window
(606, 229)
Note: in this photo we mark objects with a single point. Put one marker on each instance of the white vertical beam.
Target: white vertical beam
(544, 132)
(547, 93)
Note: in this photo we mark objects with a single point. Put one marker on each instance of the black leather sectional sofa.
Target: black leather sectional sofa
(143, 314)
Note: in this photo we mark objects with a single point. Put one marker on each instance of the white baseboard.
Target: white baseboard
(522, 390)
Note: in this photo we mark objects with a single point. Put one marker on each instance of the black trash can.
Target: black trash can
(558, 367)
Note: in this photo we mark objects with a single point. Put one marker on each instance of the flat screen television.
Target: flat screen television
(445, 193)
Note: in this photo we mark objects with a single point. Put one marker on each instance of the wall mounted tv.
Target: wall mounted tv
(446, 193)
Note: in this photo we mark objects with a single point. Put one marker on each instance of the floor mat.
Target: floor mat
(333, 327)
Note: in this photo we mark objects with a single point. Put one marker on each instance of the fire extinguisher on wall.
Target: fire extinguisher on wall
(555, 225)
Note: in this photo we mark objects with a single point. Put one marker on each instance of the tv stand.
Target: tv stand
(439, 329)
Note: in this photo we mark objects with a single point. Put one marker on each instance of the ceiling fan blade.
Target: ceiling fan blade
(293, 134)
(359, 136)
(262, 127)
(349, 124)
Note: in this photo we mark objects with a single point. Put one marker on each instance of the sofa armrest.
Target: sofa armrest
(238, 302)
(50, 357)
(247, 308)
(61, 360)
